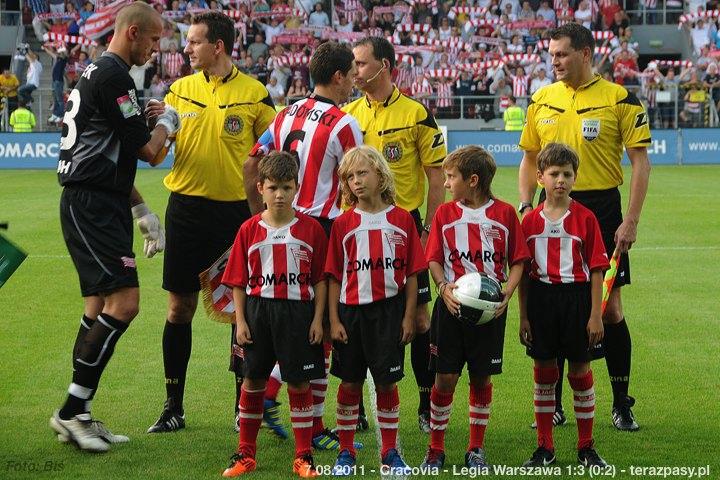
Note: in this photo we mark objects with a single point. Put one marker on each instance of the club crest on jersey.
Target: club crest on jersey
(233, 124)
(490, 232)
(395, 239)
(590, 129)
(299, 255)
(392, 152)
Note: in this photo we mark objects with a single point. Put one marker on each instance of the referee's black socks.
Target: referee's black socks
(177, 345)
(618, 351)
(420, 360)
(93, 354)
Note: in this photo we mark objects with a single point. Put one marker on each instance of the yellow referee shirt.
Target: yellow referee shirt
(222, 118)
(406, 134)
(597, 120)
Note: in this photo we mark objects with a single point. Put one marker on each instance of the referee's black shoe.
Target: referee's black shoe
(623, 417)
(171, 420)
(588, 457)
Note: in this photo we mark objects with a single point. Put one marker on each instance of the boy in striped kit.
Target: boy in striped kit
(276, 272)
(560, 297)
(374, 256)
(475, 232)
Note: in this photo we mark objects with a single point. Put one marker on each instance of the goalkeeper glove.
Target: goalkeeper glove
(169, 119)
(152, 231)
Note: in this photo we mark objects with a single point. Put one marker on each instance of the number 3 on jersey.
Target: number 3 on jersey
(68, 140)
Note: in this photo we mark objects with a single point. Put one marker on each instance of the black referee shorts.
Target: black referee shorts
(373, 332)
(453, 343)
(607, 207)
(98, 230)
(197, 232)
(558, 316)
(423, 278)
(279, 330)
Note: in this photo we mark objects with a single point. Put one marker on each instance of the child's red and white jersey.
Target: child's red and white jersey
(282, 262)
(320, 133)
(486, 240)
(372, 254)
(566, 250)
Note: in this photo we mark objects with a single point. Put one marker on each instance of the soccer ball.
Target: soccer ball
(479, 297)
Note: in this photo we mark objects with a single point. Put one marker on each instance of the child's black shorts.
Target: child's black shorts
(279, 330)
(373, 332)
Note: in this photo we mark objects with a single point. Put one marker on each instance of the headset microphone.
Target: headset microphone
(376, 74)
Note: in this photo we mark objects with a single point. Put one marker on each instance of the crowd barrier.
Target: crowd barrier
(669, 147)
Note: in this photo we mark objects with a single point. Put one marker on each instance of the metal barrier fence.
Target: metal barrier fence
(670, 110)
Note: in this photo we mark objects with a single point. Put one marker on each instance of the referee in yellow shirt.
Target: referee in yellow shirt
(406, 134)
(596, 118)
(224, 112)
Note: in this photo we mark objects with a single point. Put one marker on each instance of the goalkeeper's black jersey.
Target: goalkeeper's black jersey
(103, 129)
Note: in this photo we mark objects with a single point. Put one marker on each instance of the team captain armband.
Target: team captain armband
(264, 145)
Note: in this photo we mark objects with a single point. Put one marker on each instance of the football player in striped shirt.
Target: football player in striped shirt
(374, 256)
(474, 232)
(276, 272)
(560, 298)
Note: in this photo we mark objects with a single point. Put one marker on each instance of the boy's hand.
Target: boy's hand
(595, 330)
(525, 332)
(503, 305)
(407, 330)
(242, 334)
(451, 302)
(338, 333)
(316, 332)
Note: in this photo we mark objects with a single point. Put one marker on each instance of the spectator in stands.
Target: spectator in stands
(540, 79)
(546, 13)
(466, 86)
(22, 120)
(526, 12)
(258, 48)
(276, 91)
(502, 92)
(157, 87)
(516, 45)
(695, 102)
(297, 89)
(344, 25)
(9, 88)
(583, 15)
(625, 68)
(271, 30)
(712, 83)
(260, 70)
(172, 62)
(32, 78)
(87, 11)
(565, 13)
(700, 35)
(608, 10)
(60, 60)
(318, 18)
(57, 6)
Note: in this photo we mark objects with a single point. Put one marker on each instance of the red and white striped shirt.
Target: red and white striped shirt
(566, 250)
(320, 133)
(281, 263)
(486, 240)
(420, 90)
(520, 85)
(444, 93)
(372, 254)
(172, 64)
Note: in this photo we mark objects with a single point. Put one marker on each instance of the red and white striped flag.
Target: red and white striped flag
(217, 298)
(102, 21)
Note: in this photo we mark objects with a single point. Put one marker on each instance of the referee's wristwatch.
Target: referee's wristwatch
(523, 206)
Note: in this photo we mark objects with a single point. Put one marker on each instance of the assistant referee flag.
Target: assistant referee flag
(10, 259)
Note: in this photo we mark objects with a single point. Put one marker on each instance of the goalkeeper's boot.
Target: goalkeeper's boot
(239, 465)
(558, 419)
(101, 431)
(171, 420)
(79, 431)
(424, 421)
(329, 440)
(362, 423)
(623, 417)
(271, 418)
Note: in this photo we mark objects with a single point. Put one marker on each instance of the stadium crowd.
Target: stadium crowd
(487, 49)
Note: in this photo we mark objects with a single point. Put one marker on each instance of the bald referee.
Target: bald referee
(596, 118)
(224, 112)
(104, 133)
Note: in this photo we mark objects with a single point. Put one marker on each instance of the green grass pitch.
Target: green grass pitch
(670, 309)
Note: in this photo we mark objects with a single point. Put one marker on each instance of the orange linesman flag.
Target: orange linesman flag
(609, 279)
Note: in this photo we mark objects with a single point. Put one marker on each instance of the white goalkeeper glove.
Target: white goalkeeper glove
(151, 229)
(169, 119)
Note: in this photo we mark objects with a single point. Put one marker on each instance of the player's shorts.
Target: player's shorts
(607, 207)
(197, 232)
(558, 317)
(453, 343)
(423, 278)
(279, 330)
(98, 231)
(373, 332)
(325, 223)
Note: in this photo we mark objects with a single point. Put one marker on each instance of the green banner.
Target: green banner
(10, 259)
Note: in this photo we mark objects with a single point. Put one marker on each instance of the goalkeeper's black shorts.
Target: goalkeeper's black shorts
(98, 231)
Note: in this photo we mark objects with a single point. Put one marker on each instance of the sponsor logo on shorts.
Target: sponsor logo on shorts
(395, 369)
(233, 124)
(496, 361)
(128, 262)
(309, 366)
